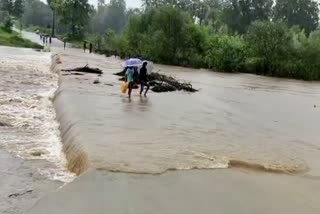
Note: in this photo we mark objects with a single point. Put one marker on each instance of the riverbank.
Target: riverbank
(13, 39)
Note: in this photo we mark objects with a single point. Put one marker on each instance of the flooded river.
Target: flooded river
(235, 120)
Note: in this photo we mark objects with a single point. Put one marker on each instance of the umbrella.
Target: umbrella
(133, 62)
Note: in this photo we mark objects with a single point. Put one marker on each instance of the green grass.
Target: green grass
(13, 39)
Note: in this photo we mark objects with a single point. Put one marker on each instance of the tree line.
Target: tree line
(268, 37)
(10, 9)
(263, 37)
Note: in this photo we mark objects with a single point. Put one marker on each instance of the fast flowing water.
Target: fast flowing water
(235, 120)
(28, 128)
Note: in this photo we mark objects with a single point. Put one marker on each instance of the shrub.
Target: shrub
(226, 53)
(271, 42)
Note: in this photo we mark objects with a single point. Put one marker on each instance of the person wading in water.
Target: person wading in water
(143, 77)
(130, 79)
(84, 46)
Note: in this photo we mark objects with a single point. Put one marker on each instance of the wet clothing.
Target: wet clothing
(143, 76)
(130, 75)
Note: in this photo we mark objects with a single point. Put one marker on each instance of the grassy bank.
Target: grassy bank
(13, 39)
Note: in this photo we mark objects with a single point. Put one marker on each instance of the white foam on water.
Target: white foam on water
(29, 129)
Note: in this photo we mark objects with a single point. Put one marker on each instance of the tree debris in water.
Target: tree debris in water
(85, 69)
(96, 81)
(19, 194)
(163, 83)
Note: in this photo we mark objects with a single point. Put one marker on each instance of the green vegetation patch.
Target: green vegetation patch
(13, 39)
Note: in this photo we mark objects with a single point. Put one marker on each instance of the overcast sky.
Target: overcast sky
(130, 3)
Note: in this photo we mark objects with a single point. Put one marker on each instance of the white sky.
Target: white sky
(130, 3)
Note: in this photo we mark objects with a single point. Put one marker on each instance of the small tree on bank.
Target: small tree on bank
(75, 14)
(11, 9)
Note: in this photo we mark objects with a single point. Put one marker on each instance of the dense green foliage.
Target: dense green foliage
(75, 15)
(267, 37)
(10, 9)
(15, 40)
(296, 12)
(234, 36)
(36, 13)
(168, 35)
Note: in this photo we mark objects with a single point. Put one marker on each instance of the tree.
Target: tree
(74, 14)
(18, 8)
(196, 8)
(7, 6)
(296, 12)
(53, 4)
(11, 9)
(167, 27)
(116, 15)
(36, 13)
(110, 16)
(239, 14)
(270, 43)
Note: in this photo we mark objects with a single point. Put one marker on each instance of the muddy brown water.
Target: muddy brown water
(235, 120)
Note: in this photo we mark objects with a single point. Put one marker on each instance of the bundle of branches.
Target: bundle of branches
(121, 73)
(163, 83)
(162, 79)
(85, 69)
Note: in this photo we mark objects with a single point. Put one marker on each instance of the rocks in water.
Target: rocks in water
(163, 88)
(96, 81)
(37, 153)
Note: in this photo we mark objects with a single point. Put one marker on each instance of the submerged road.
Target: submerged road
(225, 191)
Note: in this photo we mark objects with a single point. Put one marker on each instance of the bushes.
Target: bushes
(275, 50)
(226, 53)
(309, 58)
(168, 35)
(270, 43)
